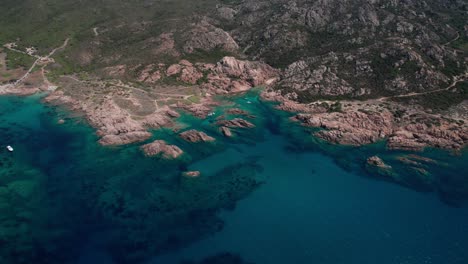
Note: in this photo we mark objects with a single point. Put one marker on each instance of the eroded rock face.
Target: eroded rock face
(257, 73)
(196, 136)
(160, 147)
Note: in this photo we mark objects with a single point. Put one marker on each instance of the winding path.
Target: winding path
(39, 58)
(451, 41)
(455, 81)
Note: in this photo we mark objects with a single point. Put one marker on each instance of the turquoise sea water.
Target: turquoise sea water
(273, 194)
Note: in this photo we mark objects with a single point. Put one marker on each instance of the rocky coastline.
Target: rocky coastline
(122, 114)
(358, 123)
(113, 114)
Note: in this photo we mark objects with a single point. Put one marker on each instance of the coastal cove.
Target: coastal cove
(269, 194)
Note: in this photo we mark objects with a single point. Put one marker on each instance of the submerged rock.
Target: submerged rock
(191, 174)
(378, 162)
(408, 161)
(195, 136)
(422, 159)
(376, 165)
(237, 111)
(161, 147)
(225, 258)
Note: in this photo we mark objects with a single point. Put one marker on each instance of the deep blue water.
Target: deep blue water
(273, 194)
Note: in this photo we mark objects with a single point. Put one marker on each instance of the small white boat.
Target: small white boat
(211, 114)
(10, 148)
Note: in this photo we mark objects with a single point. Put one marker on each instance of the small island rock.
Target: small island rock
(378, 162)
(161, 147)
(195, 136)
(226, 131)
(236, 123)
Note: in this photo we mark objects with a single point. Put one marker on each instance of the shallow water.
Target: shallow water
(273, 194)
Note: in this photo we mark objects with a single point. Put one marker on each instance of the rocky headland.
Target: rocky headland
(357, 123)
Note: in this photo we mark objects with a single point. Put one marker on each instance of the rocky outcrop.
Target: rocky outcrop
(403, 140)
(311, 79)
(186, 72)
(392, 67)
(229, 75)
(160, 147)
(151, 74)
(377, 162)
(226, 13)
(195, 136)
(237, 111)
(115, 125)
(363, 123)
(163, 45)
(235, 123)
(430, 131)
(226, 131)
(125, 138)
(200, 110)
(376, 165)
(206, 37)
(350, 128)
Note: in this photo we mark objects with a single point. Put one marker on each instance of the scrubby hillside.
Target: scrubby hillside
(326, 49)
